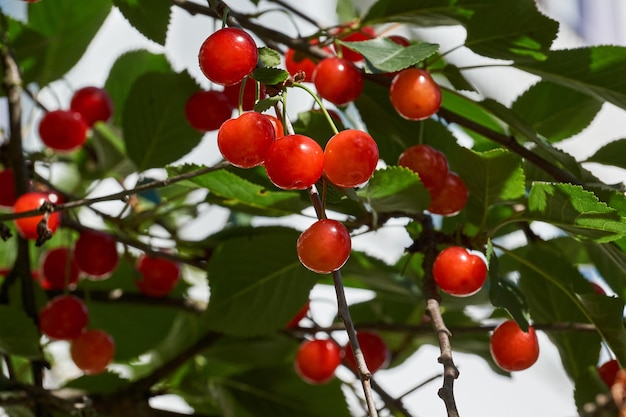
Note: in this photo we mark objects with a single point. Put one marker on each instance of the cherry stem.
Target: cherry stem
(319, 103)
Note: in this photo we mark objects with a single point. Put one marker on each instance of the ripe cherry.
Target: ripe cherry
(338, 80)
(207, 110)
(228, 56)
(450, 197)
(63, 130)
(95, 253)
(400, 40)
(295, 320)
(58, 269)
(244, 141)
(325, 246)
(363, 34)
(294, 162)
(278, 125)
(64, 317)
(7, 188)
(296, 61)
(249, 94)
(430, 164)
(414, 94)
(350, 158)
(159, 276)
(608, 372)
(94, 104)
(92, 351)
(27, 226)
(513, 349)
(459, 272)
(317, 360)
(374, 349)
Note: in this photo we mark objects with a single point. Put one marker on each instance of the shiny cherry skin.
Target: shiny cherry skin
(294, 162)
(325, 246)
(317, 360)
(93, 103)
(8, 195)
(64, 317)
(93, 351)
(414, 94)
(228, 56)
(350, 158)
(279, 130)
(430, 164)
(249, 94)
(63, 130)
(58, 269)
(450, 197)
(27, 226)
(608, 372)
(244, 141)
(459, 272)
(295, 320)
(95, 254)
(207, 110)
(159, 276)
(374, 349)
(338, 80)
(513, 349)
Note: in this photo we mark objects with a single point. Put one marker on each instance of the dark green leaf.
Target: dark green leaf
(260, 295)
(556, 112)
(314, 124)
(576, 211)
(611, 154)
(384, 55)
(269, 57)
(18, 334)
(505, 294)
(104, 383)
(587, 387)
(425, 13)
(456, 78)
(150, 17)
(610, 261)
(156, 131)
(125, 71)
(270, 76)
(396, 189)
(267, 103)
(109, 157)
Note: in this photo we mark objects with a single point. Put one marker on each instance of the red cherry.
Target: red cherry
(296, 61)
(294, 162)
(244, 141)
(430, 164)
(63, 130)
(58, 269)
(317, 360)
(338, 80)
(513, 349)
(414, 94)
(597, 289)
(400, 40)
(374, 349)
(249, 94)
(325, 246)
(63, 318)
(27, 226)
(207, 110)
(450, 197)
(95, 254)
(94, 104)
(364, 34)
(228, 56)
(608, 372)
(299, 316)
(93, 351)
(278, 125)
(459, 272)
(7, 188)
(350, 158)
(159, 276)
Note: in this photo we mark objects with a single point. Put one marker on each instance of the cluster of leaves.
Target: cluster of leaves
(515, 174)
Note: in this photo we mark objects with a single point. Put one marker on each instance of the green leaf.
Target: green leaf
(315, 125)
(595, 70)
(269, 57)
(260, 295)
(270, 76)
(456, 78)
(556, 112)
(384, 55)
(267, 103)
(396, 189)
(18, 334)
(156, 131)
(611, 154)
(346, 11)
(104, 383)
(150, 17)
(610, 261)
(66, 32)
(423, 14)
(125, 71)
(515, 31)
(576, 211)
